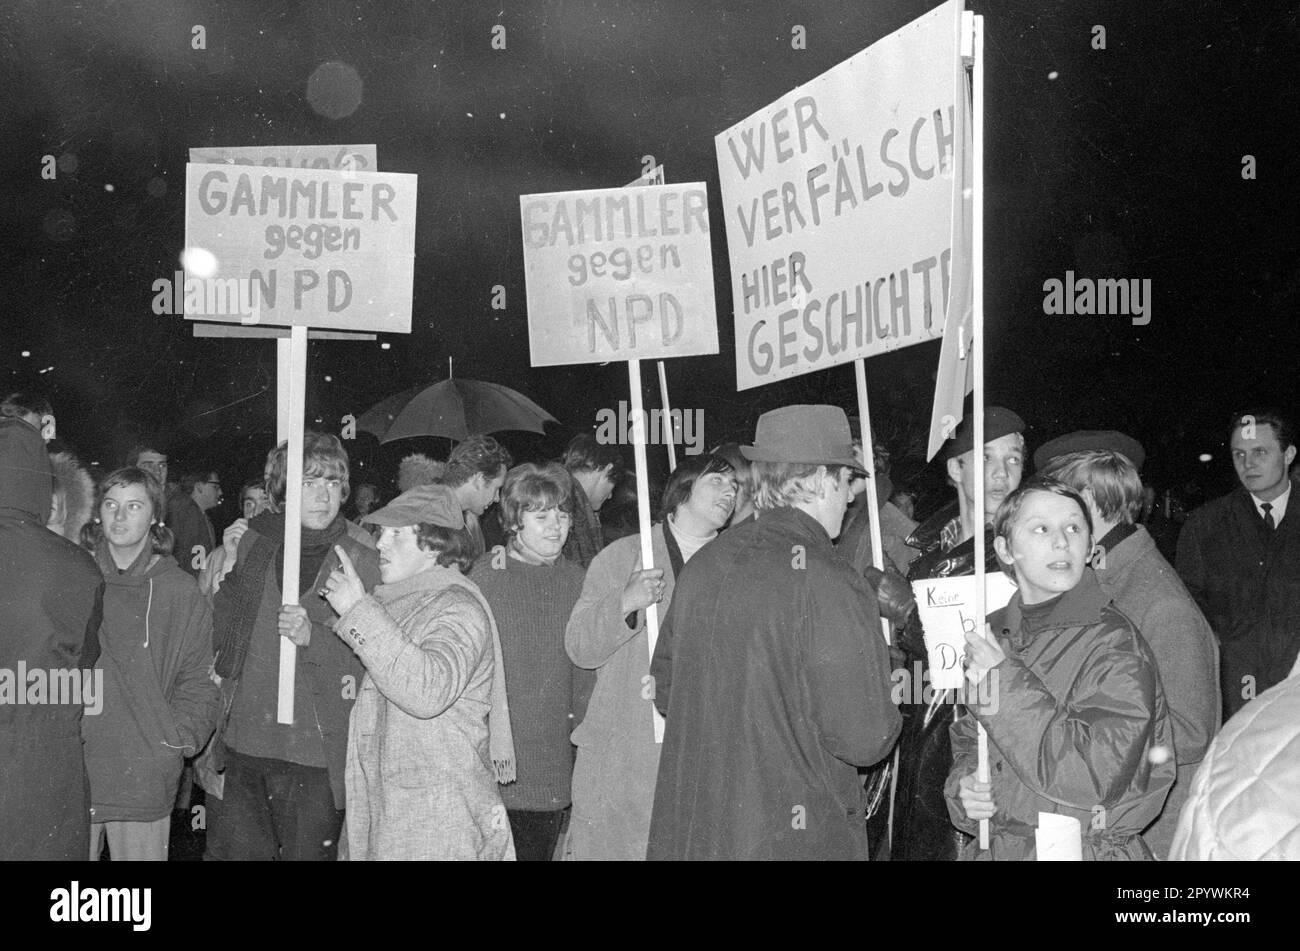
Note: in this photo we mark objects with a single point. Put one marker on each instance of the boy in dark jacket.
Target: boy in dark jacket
(283, 790)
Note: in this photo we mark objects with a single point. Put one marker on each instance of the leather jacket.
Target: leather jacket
(922, 828)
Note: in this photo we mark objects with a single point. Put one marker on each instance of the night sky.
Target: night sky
(1127, 164)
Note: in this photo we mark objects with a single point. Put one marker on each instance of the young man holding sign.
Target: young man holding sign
(284, 783)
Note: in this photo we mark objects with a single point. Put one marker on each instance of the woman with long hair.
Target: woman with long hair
(158, 704)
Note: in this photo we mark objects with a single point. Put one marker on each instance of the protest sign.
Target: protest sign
(309, 247)
(619, 274)
(956, 375)
(948, 611)
(355, 158)
(838, 204)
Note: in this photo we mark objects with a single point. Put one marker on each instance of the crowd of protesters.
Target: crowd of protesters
(476, 677)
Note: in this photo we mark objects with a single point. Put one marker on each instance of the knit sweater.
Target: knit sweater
(532, 604)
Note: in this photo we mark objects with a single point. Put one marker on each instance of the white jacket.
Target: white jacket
(1244, 804)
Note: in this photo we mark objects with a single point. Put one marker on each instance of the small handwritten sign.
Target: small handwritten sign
(947, 609)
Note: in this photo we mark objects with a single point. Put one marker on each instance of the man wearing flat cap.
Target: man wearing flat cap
(771, 669)
(422, 759)
(1103, 466)
(922, 829)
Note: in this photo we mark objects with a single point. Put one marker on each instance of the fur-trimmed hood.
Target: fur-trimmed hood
(76, 486)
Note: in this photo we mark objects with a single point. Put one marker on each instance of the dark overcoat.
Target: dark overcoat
(774, 678)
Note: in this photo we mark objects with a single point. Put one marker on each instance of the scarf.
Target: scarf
(231, 645)
(501, 741)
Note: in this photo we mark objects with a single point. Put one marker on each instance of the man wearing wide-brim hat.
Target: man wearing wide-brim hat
(1103, 466)
(771, 669)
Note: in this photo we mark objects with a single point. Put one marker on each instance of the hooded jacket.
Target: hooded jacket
(50, 593)
(50, 589)
(1073, 715)
(160, 704)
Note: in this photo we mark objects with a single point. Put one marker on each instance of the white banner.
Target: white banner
(838, 203)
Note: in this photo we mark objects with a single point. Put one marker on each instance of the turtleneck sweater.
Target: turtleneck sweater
(1034, 616)
(689, 544)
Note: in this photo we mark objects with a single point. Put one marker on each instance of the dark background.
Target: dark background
(1126, 165)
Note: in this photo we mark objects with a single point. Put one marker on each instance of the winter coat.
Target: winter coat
(191, 530)
(160, 705)
(895, 528)
(1144, 586)
(50, 603)
(1243, 804)
(327, 670)
(1073, 714)
(618, 758)
(774, 679)
(1246, 580)
(419, 776)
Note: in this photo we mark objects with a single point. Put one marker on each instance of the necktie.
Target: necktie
(1268, 515)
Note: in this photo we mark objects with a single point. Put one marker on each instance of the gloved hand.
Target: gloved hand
(893, 593)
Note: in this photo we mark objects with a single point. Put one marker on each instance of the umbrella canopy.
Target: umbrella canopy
(453, 409)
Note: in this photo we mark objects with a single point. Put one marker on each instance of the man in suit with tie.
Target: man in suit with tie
(1239, 556)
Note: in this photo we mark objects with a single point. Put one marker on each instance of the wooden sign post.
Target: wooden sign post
(318, 247)
(840, 199)
(621, 274)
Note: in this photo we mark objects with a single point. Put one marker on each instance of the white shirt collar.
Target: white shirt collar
(1279, 504)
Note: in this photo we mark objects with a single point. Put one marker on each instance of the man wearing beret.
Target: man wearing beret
(771, 669)
(922, 829)
(1239, 556)
(1103, 467)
